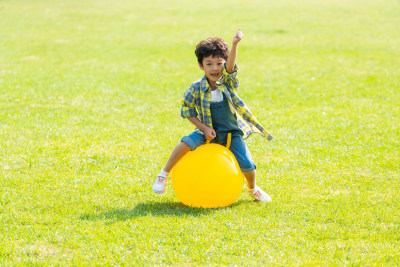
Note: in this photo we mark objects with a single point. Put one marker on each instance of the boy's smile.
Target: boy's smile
(212, 67)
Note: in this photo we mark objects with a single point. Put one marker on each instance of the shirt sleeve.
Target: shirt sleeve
(231, 79)
(188, 103)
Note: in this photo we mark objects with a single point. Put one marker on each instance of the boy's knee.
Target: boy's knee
(184, 146)
(188, 142)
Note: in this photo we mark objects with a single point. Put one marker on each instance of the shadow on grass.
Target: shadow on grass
(154, 209)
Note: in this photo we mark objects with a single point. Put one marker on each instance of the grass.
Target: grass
(90, 97)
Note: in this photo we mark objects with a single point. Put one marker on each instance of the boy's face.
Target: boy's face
(212, 67)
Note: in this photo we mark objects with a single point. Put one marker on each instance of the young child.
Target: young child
(213, 106)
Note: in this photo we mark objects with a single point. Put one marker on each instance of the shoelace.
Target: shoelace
(258, 194)
(161, 180)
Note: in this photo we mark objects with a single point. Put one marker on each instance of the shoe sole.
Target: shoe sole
(258, 200)
(158, 192)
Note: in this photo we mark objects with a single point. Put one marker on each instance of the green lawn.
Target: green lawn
(90, 96)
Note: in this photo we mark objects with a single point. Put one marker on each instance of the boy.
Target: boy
(212, 105)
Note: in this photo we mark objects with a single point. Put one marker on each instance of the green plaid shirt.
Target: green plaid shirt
(197, 98)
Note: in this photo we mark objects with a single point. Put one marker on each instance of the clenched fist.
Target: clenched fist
(238, 36)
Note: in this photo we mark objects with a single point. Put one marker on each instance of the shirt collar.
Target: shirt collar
(204, 83)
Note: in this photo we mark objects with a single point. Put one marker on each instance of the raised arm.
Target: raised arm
(230, 63)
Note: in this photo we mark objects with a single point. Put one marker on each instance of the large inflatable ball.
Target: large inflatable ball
(208, 177)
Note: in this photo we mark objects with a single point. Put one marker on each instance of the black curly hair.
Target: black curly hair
(215, 47)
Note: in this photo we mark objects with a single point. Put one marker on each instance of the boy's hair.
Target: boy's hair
(215, 47)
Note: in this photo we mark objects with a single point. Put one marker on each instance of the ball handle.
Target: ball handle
(228, 141)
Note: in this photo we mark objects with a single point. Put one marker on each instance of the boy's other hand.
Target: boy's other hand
(209, 133)
(238, 36)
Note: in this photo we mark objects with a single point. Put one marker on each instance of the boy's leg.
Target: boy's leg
(190, 142)
(247, 166)
(178, 152)
(242, 154)
(251, 179)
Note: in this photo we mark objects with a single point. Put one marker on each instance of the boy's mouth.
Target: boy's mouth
(215, 75)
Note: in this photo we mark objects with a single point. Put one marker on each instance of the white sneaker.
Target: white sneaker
(160, 185)
(259, 195)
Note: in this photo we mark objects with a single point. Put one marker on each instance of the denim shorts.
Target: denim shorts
(238, 147)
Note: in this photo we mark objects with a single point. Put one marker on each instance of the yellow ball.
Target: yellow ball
(208, 177)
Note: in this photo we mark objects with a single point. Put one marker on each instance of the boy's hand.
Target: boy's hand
(209, 133)
(238, 36)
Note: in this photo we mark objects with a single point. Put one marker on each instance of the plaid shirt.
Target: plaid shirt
(197, 98)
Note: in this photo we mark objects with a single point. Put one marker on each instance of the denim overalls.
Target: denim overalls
(224, 122)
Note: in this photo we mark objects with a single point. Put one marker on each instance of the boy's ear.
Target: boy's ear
(200, 66)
